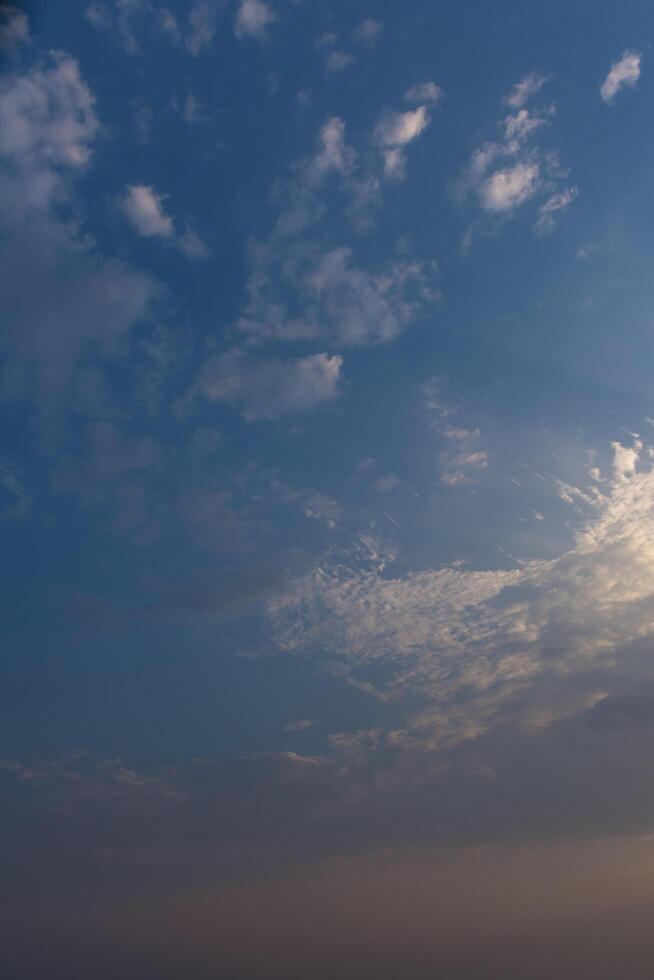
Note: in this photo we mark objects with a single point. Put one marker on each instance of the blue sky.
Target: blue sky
(326, 444)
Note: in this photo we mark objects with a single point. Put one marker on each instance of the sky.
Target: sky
(326, 489)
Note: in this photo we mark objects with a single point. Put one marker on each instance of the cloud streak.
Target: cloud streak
(623, 74)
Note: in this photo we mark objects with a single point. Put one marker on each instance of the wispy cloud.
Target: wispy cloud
(144, 208)
(505, 174)
(270, 388)
(253, 18)
(623, 74)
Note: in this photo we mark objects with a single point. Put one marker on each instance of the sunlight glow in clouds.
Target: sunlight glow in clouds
(490, 648)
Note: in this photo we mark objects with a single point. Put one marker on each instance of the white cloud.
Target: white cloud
(625, 459)
(192, 246)
(253, 18)
(506, 189)
(520, 127)
(59, 293)
(202, 20)
(298, 726)
(525, 89)
(338, 300)
(393, 132)
(320, 507)
(14, 29)
(368, 32)
(553, 206)
(462, 467)
(399, 128)
(334, 154)
(426, 93)
(268, 389)
(47, 122)
(386, 483)
(13, 487)
(337, 61)
(144, 208)
(361, 307)
(505, 174)
(496, 648)
(461, 461)
(624, 72)
(130, 19)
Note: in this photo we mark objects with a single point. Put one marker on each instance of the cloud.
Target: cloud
(368, 32)
(426, 93)
(507, 173)
(192, 245)
(624, 72)
(553, 206)
(269, 389)
(144, 208)
(340, 301)
(13, 488)
(60, 293)
(48, 123)
(333, 154)
(517, 648)
(202, 19)
(462, 467)
(130, 19)
(506, 189)
(521, 126)
(399, 128)
(525, 89)
(14, 29)
(320, 507)
(337, 61)
(302, 198)
(462, 461)
(393, 132)
(253, 19)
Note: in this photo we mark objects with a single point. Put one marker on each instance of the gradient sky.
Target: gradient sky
(327, 489)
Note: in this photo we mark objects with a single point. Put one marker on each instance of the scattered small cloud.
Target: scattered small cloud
(506, 189)
(507, 173)
(202, 26)
(368, 32)
(623, 74)
(130, 21)
(145, 210)
(298, 726)
(525, 89)
(253, 19)
(554, 206)
(14, 29)
(270, 388)
(393, 132)
(338, 60)
(425, 93)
